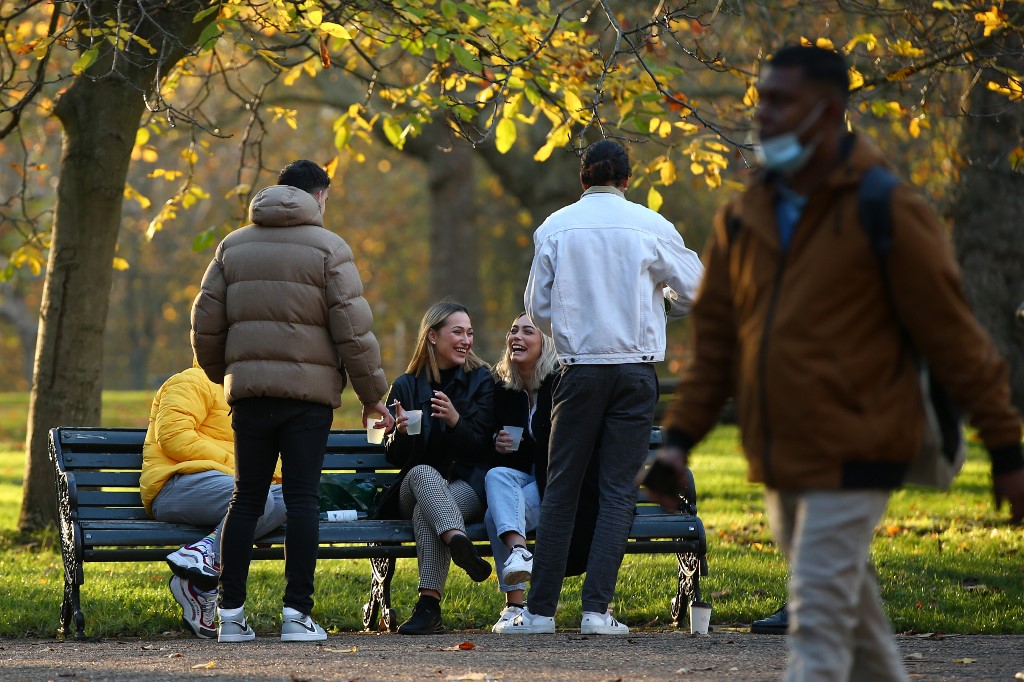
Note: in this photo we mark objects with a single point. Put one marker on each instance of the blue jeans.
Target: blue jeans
(513, 505)
(603, 412)
(297, 431)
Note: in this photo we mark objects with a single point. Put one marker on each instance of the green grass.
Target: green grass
(947, 562)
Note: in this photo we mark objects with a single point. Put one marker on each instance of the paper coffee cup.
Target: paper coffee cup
(700, 618)
(415, 423)
(517, 435)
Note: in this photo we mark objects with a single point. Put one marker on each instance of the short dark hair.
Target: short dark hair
(604, 162)
(304, 175)
(825, 67)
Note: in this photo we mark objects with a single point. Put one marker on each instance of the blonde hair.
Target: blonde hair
(507, 371)
(423, 356)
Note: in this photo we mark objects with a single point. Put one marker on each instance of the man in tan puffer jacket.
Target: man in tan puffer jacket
(281, 321)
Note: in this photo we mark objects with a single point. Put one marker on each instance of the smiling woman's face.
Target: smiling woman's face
(453, 341)
(524, 343)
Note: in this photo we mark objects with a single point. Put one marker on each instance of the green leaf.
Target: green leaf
(86, 60)
(448, 9)
(205, 239)
(205, 13)
(465, 58)
(443, 50)
(505, 135)
(208, 37)
(474, 12)
(393, 131)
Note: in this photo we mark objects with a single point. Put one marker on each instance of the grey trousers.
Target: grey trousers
(838, 630)
(602, 411)
(202, 500)
(436, 507)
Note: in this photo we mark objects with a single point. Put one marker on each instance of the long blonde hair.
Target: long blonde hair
(423, 356)
(507, 371)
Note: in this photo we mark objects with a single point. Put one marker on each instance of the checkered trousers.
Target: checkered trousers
(436, 507)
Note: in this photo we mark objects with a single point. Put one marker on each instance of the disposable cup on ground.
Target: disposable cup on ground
(517, 435)
(700, 618)
(412, 427)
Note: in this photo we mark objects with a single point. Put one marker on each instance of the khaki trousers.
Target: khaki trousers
(837, 628)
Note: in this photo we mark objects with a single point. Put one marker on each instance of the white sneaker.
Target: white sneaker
(507, 615)
(233, 628)
(526, 623)
(601, 624)
(196, 564)
(518, 567)
(198, 608)
(300, 627)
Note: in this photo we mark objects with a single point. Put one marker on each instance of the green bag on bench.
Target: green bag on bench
(338, 491)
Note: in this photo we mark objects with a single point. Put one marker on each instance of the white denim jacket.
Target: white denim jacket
(603, 270)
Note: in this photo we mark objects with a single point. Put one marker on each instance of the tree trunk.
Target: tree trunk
(986, 219)
(100, 119)
(100, 114)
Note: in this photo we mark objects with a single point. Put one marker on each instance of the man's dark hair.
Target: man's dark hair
(825, 67)
(304, 175)
(604, 162)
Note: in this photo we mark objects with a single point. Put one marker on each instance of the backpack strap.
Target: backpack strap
(874, 208)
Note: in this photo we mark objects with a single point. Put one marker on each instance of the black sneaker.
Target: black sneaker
(425, 619)
(466, 557)
(775, 624)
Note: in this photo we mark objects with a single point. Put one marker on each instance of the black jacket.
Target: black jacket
(461, 453)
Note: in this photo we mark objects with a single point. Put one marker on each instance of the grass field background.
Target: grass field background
(947, 562)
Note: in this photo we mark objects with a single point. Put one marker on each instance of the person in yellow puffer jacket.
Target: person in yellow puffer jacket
(188, 474)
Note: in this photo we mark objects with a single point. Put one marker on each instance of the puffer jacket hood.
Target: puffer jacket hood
(284, 206)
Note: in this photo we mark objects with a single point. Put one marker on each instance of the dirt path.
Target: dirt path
(650, 655)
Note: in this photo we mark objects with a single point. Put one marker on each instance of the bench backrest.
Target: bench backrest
(105, 465)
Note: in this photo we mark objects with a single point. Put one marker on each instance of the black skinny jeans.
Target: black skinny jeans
(264, 428)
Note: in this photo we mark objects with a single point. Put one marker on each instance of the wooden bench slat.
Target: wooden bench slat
(102, 460)
(109, 498)
(107, 479)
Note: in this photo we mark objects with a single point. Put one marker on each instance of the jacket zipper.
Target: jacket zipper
(766, 428)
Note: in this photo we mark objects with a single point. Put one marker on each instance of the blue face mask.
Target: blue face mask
(785, 153)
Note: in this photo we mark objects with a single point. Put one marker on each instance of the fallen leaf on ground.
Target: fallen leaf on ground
(342, 651)
(914, 657)
(176, 654)
(964, 660)
(734, 670)
(470, 676)
(1019, 676)
(924, 635)
(464, 646)
(205, 665)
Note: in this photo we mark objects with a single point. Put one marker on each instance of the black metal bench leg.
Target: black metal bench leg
(71, 609)
(380, 597)
(689, 569)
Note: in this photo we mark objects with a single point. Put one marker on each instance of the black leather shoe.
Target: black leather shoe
(775, 624)
(466, 557)
(425, 619)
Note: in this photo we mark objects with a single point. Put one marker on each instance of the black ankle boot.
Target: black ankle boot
(466, 557)
(425, 618)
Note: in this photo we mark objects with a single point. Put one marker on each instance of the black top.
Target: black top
(512, 408)
(457, 453)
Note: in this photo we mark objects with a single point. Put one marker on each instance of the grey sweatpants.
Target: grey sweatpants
(202, 500)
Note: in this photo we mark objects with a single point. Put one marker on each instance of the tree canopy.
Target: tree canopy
(522, 81)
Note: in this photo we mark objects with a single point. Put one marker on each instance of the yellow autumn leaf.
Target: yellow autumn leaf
(653, 125)
(654, 199)
(824, 43)
(668, 172)
(315, 16)
(572, 102)
(1017, 158)
(750, 96)
(905, 48)
(335, 30)
(141, 136)
(696, 168)
(544, 153)
(993, 20)
(856, 79)
(665, 129)
(205, 666)
(914, 128)
(120, 263)
(504, 135)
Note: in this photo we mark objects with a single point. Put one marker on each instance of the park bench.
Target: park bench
(102, 520)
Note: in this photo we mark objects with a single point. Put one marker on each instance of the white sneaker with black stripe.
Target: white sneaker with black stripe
(300, 627)
(601, 624)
